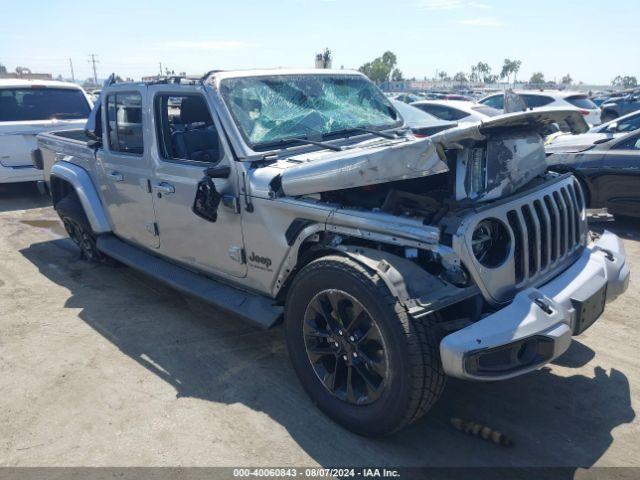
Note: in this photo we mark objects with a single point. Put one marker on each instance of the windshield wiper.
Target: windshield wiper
(303, 140)
(390, 136)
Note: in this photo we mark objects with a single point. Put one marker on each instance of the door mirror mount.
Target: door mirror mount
(613, 127)
(218, 172)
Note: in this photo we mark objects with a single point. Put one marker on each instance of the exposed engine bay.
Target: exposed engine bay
(425, 198)
(478, 172)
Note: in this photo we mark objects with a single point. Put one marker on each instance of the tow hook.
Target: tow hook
(543, 305)
(607, 253)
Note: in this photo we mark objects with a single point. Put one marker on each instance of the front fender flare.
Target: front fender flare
(87, 194)
(420, 292)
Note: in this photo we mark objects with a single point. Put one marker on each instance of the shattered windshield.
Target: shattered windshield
(272, 109)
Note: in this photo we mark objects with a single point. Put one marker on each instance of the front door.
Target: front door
(124, 165)
(618, 180)
(188, 142)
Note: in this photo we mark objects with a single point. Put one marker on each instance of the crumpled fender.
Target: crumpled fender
(87, 194)
(416, 289)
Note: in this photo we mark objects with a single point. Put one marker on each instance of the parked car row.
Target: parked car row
(606, 162)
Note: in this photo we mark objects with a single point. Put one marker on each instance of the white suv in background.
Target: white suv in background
(29, 107)
(551, 98)
(457, 110)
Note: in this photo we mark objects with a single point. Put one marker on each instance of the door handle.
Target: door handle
(115, 176)
(164, 187)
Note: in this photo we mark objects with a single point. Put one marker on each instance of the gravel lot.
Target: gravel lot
(101, 366)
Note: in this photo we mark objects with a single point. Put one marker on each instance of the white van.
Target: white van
(29, 107)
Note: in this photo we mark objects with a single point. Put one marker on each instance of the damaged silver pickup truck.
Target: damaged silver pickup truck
(394, 260)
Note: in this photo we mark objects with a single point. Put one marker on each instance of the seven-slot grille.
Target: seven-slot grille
(547, 230)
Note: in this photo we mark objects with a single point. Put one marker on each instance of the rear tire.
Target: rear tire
(78, 227)
(396, 374)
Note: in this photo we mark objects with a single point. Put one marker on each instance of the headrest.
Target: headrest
(8, 102)
(194, 110)
(29, 99)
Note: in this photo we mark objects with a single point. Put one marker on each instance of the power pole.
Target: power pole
(73, 77)
(160, 64)
(93, 62)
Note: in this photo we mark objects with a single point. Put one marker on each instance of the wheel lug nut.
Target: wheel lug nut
(355, 354)
(336, 344)
(340, 332)
(351, 338)
(344, 357)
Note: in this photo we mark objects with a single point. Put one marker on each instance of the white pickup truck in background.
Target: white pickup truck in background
(29, 107)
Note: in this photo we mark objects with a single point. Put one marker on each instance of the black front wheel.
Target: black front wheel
(361, 358)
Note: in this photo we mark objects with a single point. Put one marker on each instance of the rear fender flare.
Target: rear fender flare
(80, 180)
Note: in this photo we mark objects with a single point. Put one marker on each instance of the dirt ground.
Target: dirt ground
(101, 366)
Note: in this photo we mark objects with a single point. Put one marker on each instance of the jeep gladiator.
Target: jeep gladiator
(395, 261)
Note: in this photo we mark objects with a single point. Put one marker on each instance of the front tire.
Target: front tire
(362, 359)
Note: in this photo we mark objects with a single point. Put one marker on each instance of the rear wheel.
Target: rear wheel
(361, 358)
(77, 226)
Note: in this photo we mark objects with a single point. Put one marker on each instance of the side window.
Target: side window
(535, 101)
(124, 117)
(453, 114)
(443, 112)
(632, 143)
(185, 129)
(497, 101)
(628, 125)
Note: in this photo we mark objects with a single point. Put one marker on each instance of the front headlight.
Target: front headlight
(491, 242)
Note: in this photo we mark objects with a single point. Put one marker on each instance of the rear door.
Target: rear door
(124, 166)
(188, 141)
(617, 180)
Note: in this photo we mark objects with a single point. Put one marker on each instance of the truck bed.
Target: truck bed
(64, 143)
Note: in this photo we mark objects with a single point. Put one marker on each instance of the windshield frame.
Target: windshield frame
(296, 141)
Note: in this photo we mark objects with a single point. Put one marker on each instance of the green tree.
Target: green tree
(537, 77)
(474, 76)
(480, 72)
(567, 80)
(484, 70)
(460, 78)
(326, 57)
(379, 70)
(510, 67)
(396, 75)
(3, 69)
(628, 81)
(444, 76)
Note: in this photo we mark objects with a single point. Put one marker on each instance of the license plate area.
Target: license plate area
(589, 304)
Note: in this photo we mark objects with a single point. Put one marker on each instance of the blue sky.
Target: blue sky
(591, 40)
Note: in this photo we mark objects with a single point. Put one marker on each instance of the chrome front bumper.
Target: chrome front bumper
(537, 325)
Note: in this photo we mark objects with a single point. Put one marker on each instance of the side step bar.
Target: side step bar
(257, 309)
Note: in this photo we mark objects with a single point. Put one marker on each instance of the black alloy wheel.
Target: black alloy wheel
(345, 347)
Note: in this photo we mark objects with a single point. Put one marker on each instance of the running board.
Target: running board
(257, 309)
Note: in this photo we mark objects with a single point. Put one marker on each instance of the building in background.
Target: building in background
(23, 72)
